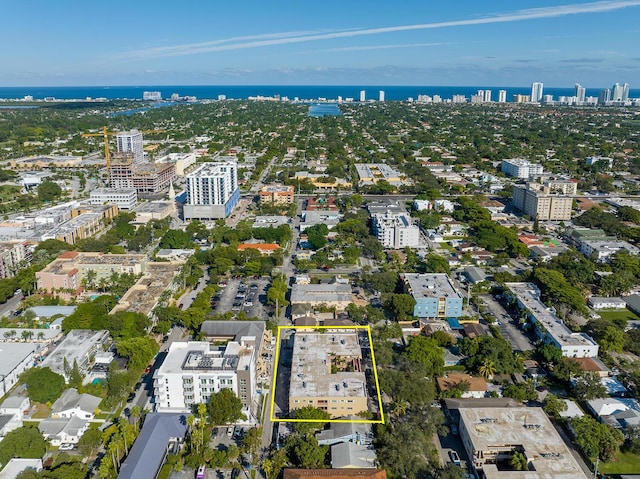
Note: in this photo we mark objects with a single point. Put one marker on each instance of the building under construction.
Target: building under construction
(148, 179)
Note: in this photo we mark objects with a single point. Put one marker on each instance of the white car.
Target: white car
(67, 446)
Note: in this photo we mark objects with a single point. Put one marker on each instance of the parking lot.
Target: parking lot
(248, 295)
(508, 326)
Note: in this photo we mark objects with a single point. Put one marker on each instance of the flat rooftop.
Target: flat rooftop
(113, 191)
(529, 295)
(76, 345)
(12, 354)
(201, 356)
(313, 356)
(502, 429)
(335, 292)
(430, 285)
(152, 207)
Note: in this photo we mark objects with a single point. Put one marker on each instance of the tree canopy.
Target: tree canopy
(25, 442)
(224, 407)
(43, 384)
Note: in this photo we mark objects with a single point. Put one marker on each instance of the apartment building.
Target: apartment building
(549, 327)
(194, 370)
(276, 195)
(520, 168)
(435, 295)
(395, 230)
(13, 256)
(326, 373)
(68, 270)
(551, 201)
(212, 191)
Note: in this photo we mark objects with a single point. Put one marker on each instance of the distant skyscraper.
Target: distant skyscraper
(580, 93)
(536, 91)
(131, 142)
(605, 96)
(502, 96)
(620, 92)
(381, 95)
(487, 95)
(363, 95)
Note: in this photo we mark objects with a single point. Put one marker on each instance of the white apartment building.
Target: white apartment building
(123, 198)
(182, 161)
(502, 96)
(131, 142)
(194, 370)
(395, 231)
(212, 191)
(549, 327)
(520, 168)
(602, 250)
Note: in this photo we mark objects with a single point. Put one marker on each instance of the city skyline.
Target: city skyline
(282, 42)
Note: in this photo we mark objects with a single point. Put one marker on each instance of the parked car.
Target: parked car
(230, 431)
(453, 455)
(66, 446)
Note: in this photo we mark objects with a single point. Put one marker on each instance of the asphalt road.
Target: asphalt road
(508, 326)
(11, 304)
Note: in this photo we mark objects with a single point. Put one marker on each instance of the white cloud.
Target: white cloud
(256, 41)
(384, 47)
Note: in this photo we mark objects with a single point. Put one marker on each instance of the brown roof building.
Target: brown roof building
(477, 386)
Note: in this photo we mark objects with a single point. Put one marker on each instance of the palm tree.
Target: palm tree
(519, 461)
(487, 369)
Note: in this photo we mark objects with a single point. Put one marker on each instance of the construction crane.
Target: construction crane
(106, 134)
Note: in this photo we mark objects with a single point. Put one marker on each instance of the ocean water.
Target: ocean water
(307, 92)
(324, 109)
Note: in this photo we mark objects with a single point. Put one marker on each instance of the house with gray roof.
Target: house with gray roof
(63, 430)
(351, 455)
(234, 331)
(345, 432)
(71, 403)
(161, 434)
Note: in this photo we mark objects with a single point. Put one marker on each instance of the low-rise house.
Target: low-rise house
(352, 455)
(63, 430)
(600, 302)
(71, 404)
(617, 412)
(477, 387)
(338, 432)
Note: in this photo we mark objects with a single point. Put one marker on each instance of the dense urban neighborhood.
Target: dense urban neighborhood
(242, 288)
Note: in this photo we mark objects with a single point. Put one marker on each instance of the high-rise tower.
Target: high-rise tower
(536, 91)
(131, 142)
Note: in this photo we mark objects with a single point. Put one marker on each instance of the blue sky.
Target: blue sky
(290, 42)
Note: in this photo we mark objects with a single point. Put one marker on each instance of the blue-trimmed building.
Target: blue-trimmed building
(436, 296)
(212, 191)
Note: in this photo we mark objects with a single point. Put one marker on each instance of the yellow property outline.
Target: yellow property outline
(375, 376)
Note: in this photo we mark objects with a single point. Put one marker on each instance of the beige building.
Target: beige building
(70, 268)
(335, 295)
(276, 194)
(492, 434)
(326, 373)
(13, 256)
(551, 200)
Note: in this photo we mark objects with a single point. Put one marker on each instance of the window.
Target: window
(243, 390)
(243, 382)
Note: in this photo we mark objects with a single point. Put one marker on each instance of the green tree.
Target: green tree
(401, 305)
(309, 412)
(487, 369)
(553, 405)
(90, 442)
(139, 351)
(426, 352)
(519, 461)
(596, 439)
(25, 442)
(317, 235)
(176, 239)
(305, 452)
(43, 384)
(224, 407)
(49, 191)
(275, 463)
(589, 387)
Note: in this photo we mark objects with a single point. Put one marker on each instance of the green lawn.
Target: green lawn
(618, 314)
(625, 463)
